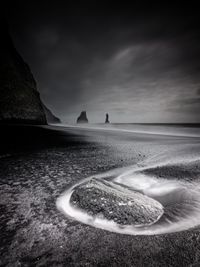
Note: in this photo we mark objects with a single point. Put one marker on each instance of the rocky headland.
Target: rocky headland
(20, 101)
(51, 118)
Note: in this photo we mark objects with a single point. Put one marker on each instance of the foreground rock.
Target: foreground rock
(19, 99)
(82, 118)
(115, 202)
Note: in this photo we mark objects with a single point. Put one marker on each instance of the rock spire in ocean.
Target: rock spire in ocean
(82, 118)
(107, 118)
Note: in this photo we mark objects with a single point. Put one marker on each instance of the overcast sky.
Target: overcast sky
(138, 63)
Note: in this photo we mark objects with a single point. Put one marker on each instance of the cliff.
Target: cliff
(19, 99)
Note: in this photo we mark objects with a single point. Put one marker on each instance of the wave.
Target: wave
(163, 130)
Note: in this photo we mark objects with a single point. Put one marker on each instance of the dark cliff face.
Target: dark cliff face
(19, 99)
(51, 118)
(82, 118)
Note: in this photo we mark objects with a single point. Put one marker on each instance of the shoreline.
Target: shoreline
(33, 231)
(92, 127)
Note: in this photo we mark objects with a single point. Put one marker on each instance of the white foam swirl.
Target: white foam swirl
(181, 201)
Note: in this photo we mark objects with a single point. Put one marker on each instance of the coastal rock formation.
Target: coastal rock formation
(107, 118)
(82, 118)
(115, 202)
(51, 118)
(19, 99)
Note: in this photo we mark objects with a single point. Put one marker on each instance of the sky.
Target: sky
(139, 63)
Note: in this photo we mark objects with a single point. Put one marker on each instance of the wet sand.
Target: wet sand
(38, 164)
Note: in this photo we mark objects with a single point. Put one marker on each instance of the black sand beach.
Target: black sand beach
(41, 163)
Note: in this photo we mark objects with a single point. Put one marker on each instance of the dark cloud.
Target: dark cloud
(198, 92)
(138, 62)
(191, 101)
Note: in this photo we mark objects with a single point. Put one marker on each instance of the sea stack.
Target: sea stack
(19, 98)
(107, 118)
(82, 118)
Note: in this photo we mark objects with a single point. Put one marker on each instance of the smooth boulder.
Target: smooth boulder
(116, 202)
